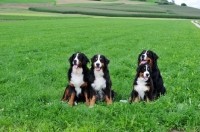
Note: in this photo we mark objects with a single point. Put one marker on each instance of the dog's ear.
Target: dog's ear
(155, 57)
(92, 60)
(140, 56)
(107, 61)
(138, 69)
(150, 70)
(85, 59)
(71, 58)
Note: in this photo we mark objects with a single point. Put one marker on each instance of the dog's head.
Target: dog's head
(99, 62)
(78, 60)
(147, 57)
(144, 71)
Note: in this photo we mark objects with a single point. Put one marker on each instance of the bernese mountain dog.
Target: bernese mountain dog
(149, 57)
(99, 80)
(77, 89)
(143, 84)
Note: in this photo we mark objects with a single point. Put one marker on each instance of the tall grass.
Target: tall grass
(34, 60)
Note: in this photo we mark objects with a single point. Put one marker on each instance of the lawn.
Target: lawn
(34, 54)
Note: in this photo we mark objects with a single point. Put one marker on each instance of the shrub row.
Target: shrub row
(110, 13)
(129, 9)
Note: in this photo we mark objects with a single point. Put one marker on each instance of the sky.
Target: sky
(190, 3)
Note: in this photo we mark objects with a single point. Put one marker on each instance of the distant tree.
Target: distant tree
(164, 0)
(183, 4)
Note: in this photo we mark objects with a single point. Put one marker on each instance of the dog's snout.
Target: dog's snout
(75, 62)
(142, 57)
(147, 74)
(97, 64)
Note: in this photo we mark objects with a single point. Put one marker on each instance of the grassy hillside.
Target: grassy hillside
(114, 8)
(34, 54)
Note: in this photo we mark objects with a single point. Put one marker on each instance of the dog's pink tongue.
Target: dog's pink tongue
(146, 78)
(98, 68)
(143, 62)
(75, 66)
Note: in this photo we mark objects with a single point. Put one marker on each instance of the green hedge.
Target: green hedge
(110, 13)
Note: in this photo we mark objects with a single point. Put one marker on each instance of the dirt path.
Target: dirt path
(196, 23)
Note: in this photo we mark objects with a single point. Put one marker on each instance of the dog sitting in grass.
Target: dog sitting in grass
(77, 89)
(99, 80)
(149, 57)
(142, 85)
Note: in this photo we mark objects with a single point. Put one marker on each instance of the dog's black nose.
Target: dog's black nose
(97, 64)
(75, 61)
(147, 74)
(142, 57)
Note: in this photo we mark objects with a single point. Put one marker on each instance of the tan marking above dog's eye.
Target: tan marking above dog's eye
(96, 58)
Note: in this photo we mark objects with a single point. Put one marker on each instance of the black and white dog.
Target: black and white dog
(77, 89)
(99, 80)
(149, 57)
(143, 84)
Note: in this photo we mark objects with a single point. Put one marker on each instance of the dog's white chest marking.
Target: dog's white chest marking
(141, 88)
(77, 79)
(99, 82)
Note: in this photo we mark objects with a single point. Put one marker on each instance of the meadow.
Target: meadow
(34, 52)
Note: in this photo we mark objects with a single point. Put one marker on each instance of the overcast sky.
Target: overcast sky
(190, 3)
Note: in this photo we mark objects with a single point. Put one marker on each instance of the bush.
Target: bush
(183, 4)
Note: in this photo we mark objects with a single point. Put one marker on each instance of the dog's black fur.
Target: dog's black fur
(99, 80)
(77, 77)
(149, 57)
(143, 84)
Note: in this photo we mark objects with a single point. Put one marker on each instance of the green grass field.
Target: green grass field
(34, 54)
